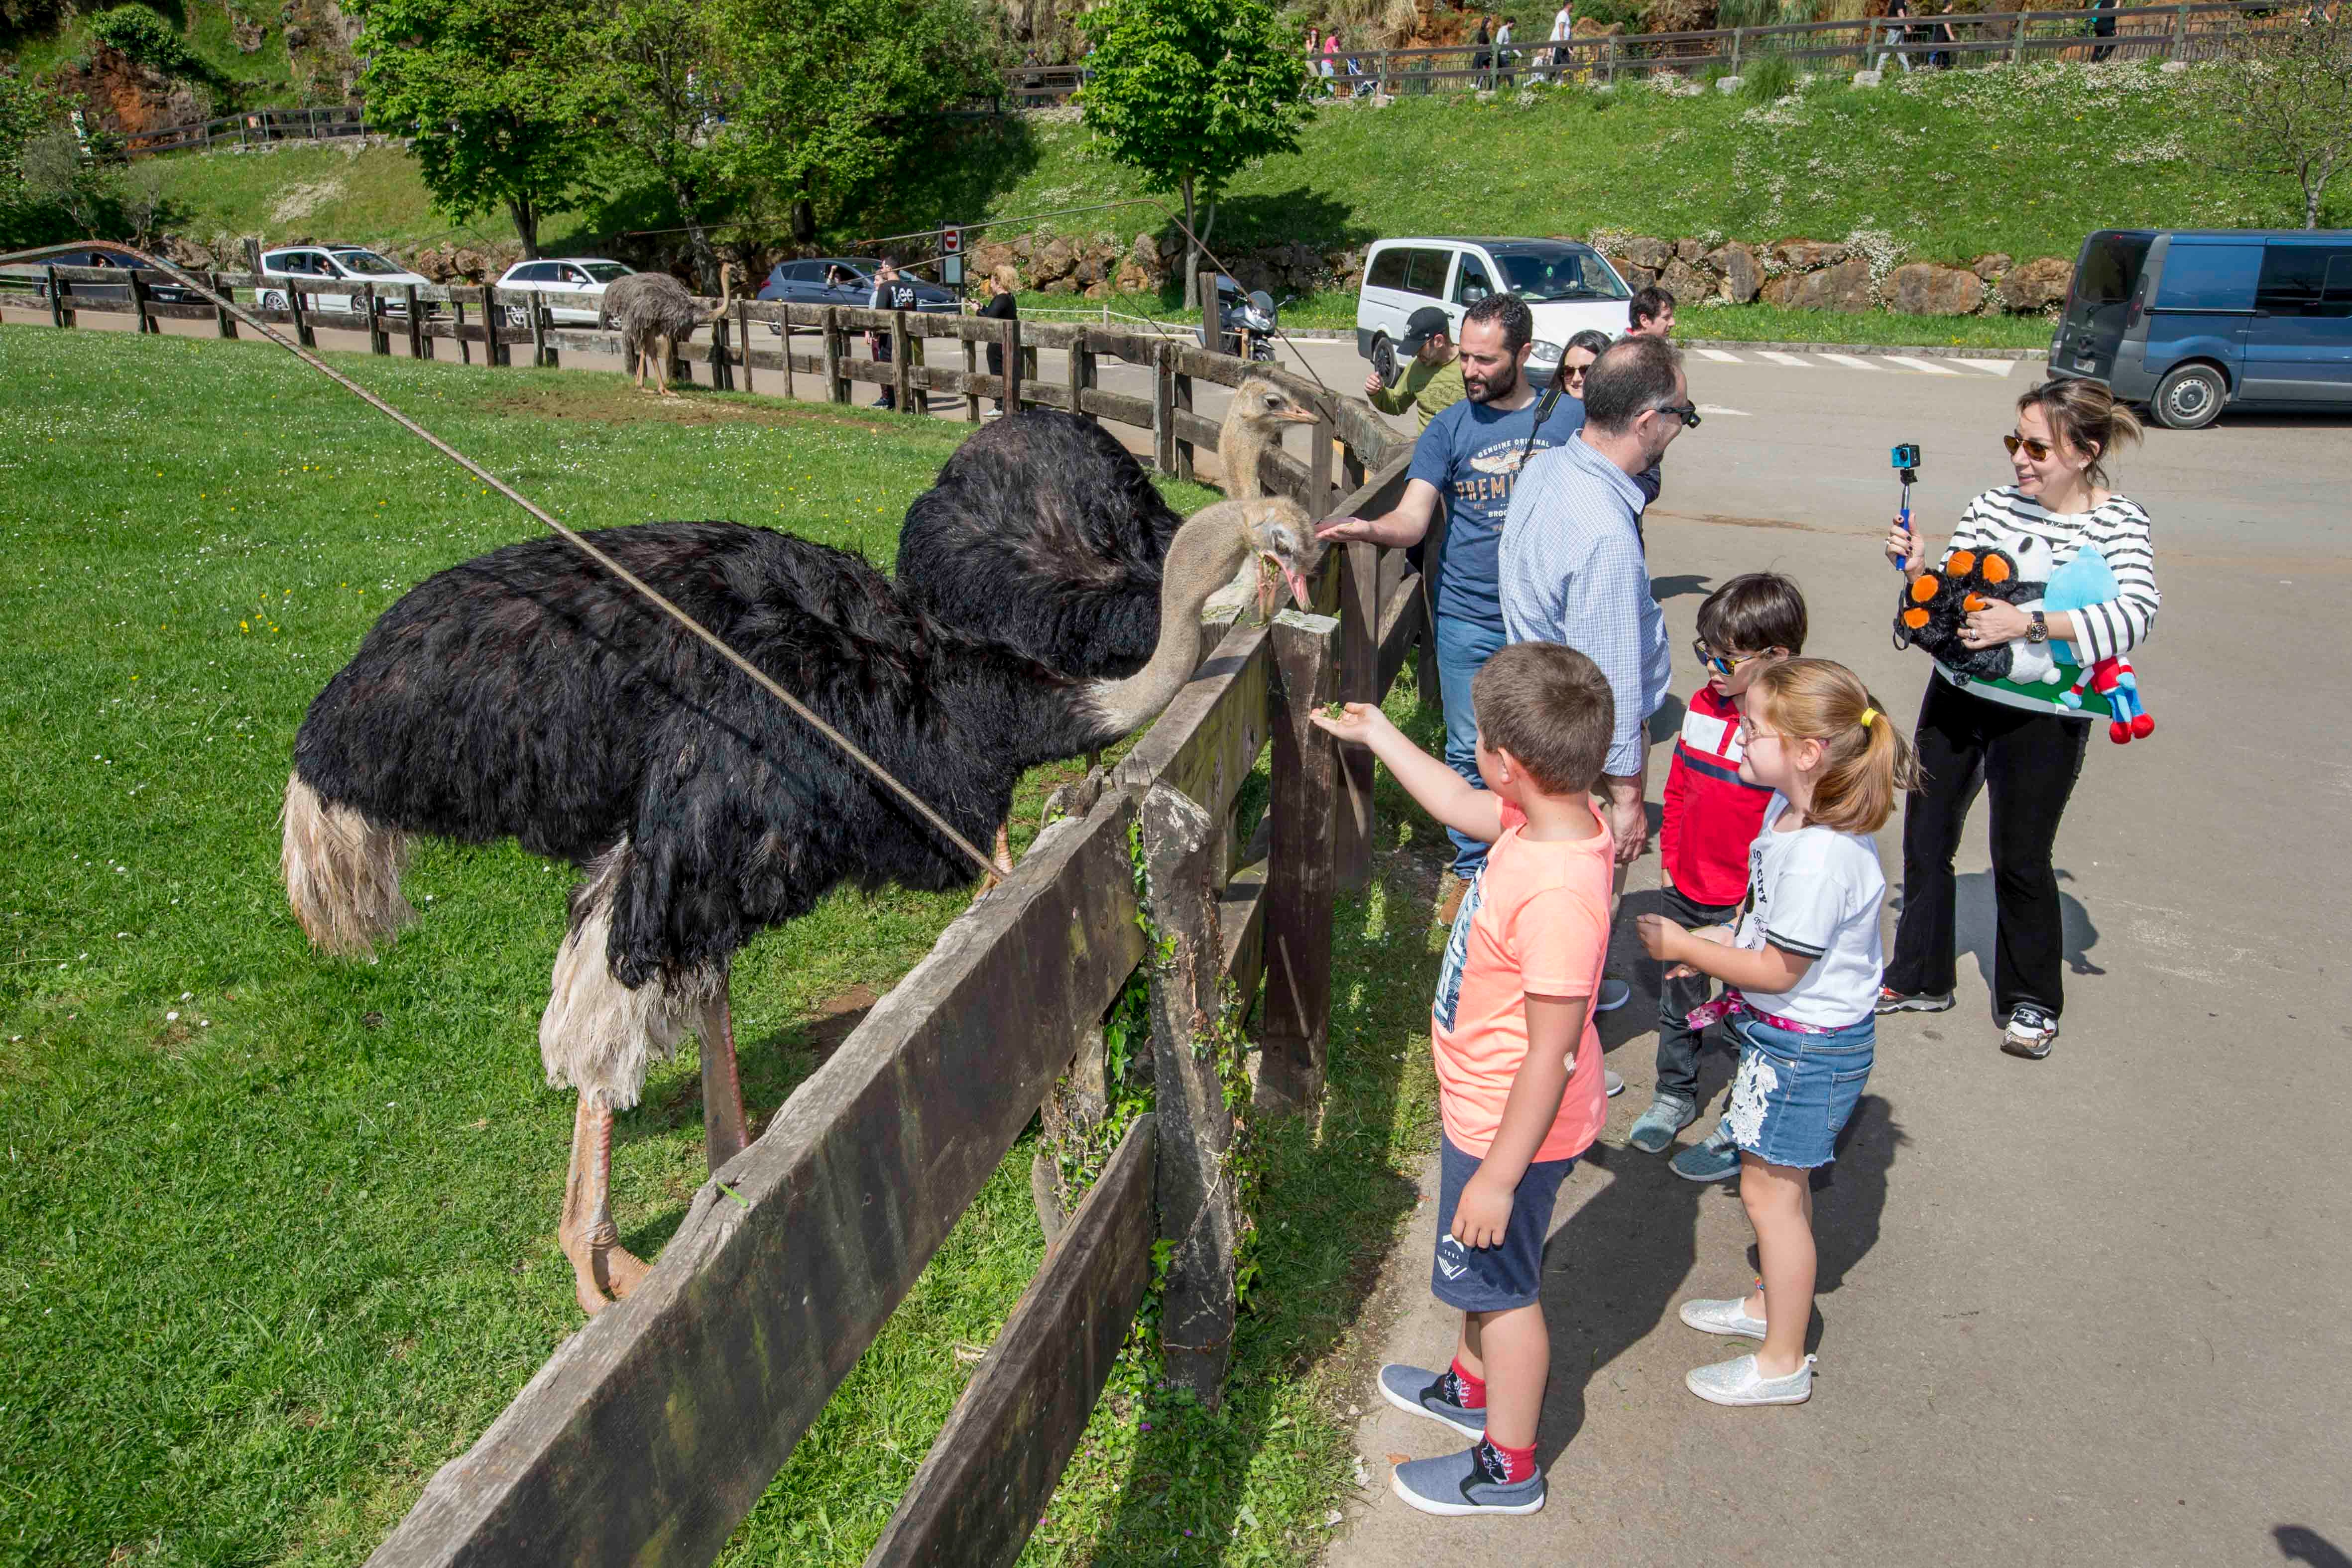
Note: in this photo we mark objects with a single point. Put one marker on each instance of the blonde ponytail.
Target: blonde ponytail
(1868, 760)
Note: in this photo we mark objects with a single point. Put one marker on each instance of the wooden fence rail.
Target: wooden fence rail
(649, 1434)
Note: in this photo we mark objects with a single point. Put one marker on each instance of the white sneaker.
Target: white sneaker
(1723, 1318)
(1736, 1382)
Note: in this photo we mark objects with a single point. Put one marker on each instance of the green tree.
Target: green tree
(1192, 93)
(2285, 91)
(826, 91)
(662, 105)
(497, 94)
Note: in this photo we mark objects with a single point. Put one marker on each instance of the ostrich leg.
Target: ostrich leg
(663, 351)
(603, 1271)
(724, 1132)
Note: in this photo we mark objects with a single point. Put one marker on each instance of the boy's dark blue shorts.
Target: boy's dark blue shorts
(1494, 1279)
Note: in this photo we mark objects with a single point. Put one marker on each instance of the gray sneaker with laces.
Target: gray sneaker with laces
(1668, 1114)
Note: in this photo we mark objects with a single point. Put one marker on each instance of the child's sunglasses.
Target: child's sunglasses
(2037, 450)
(1721, 664)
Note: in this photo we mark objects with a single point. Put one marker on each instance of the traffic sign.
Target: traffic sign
(952, 240)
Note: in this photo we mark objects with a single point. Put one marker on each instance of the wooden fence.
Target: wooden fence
(254, 128)
(649, 1434)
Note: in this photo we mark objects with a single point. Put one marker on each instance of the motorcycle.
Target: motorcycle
(1244, 319)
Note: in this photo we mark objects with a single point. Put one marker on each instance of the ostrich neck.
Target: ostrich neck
(1200, 560)
(1242, 443)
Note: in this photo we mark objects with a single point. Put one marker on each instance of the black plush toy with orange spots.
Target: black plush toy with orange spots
(1934, 604)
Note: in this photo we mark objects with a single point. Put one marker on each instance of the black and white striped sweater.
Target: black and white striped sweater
(2116, 528)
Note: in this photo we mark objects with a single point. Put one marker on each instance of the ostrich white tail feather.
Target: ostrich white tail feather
(597, 1035)
(341, 872)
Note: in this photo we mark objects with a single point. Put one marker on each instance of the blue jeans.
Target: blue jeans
(1463, 649)
(1794, 1092)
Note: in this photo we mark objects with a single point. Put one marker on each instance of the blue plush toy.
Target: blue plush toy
(2084, 581)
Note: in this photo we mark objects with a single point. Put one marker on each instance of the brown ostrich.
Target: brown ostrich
(656, 316)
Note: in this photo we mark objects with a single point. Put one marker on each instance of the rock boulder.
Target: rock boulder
(2038, 284)
(1743, 275)
(1686, 283)
(1052, 261)
(1992, 264)
(1924, 289)
(1804, 255)
(1842, 286)
(1652, 254)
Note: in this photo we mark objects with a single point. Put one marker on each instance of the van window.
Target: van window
(1471, 286)
(2305, 281)
(1428, 274)
(2109, 271)
(2209, 277)
(1388, 269)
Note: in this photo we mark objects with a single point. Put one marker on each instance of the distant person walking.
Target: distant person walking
(1430, 382)
(1503, 54)
(2103, 26)
(1563, 29)
(2011, 743)
(891, 292)
(1896, 36)
(1651, 314)
(1330, 59)
(1482, 59)
(1003, 285)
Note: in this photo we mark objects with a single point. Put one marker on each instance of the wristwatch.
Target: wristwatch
(2040, 630)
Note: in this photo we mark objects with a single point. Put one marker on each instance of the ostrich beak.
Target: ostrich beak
(1301, 416)
(1300, 593)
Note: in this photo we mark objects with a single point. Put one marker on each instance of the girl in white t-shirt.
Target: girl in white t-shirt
(1802, 976)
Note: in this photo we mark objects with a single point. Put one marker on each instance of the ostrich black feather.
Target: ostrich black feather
(527, 694)
(1043, 533)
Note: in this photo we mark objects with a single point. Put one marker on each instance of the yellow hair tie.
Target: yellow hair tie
(1867, 715)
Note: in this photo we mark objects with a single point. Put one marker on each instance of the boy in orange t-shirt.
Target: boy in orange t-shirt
(1518, 1064)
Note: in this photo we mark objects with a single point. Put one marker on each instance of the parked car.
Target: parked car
(804, 283)
(328, 275)
(572, 286)
(160, 288)
(2189, 321)
(1569, 287)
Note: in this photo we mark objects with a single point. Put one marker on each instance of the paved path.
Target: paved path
(2088, 1310)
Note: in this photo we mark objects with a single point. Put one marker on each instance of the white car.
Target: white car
(327, 275)
(1569, 287)
(571, 286)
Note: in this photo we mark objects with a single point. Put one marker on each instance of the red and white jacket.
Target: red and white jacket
(1712, 814)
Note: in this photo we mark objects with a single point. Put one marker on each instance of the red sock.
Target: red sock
(1518, 1464)
(1471, 1390)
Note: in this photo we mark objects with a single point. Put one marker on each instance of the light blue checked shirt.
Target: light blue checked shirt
(1572, 572)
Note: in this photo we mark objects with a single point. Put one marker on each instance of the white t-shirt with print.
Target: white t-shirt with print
(1815, 892)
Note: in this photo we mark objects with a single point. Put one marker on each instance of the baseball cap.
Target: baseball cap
(1423, 325)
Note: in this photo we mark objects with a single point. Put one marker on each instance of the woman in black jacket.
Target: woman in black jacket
(1001, 306)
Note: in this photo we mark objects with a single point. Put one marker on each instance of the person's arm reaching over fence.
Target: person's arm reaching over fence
(1405, 525)
(1439, 790)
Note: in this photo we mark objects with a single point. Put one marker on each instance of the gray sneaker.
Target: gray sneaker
(1716, 1160)
(1614, 993)
(1736, 1382)
(1430, 1394)
(1611, 1084)
(1464, 1483)
(1723, 1318)
(1668, 1114)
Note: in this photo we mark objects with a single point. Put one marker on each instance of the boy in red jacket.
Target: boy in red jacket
(1712, 816)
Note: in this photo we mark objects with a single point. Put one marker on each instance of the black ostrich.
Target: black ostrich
(1044, 534)
(527, 694)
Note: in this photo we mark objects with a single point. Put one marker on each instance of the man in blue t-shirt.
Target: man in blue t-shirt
(1471, 455)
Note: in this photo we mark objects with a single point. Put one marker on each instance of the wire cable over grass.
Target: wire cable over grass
(760, 676)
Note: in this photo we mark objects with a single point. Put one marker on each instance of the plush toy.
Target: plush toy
(1934, 604)
(2115, 679)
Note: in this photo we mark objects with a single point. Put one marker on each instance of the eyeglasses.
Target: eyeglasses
(1722, 664)
(1749, 734)
(1686, 412)
(2037, 450)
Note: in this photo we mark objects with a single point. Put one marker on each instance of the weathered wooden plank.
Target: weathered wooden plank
(1198, 1212)
(1297, 1028)
(1206, 740)
(1240, 921)
(1400, 624)
(1118, 406)
(650, 1432)
(1079, 373)
(224, 324)
(1359, 615)
(837, 356)
(139, 303)
(1164, 409)
(1182, 387)
(1319, 468)
(994, 1464)
(164, 310)
(1222, 369)
(902, 381)
(1009, 340)
(743, 330)
(416, 324)
(1134, 348)
(61, 312)
(1191, 429)
(536, 303)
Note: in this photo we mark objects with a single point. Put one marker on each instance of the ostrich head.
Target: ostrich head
(1260, 403)
(1252, 423)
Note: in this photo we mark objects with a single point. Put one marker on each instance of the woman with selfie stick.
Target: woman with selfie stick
(1973, 736)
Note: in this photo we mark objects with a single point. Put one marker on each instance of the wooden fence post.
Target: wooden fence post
(141, 320)
(1212, 329)
(836, 389)
(1737, 33)
(1081, 370)
(1163, 405)
(224, 324)
(535, 302)
(302, 333)
(1197, 1209)
(379, 339)
(743, 330)
(1183, 397)
(2017, 41)
(60, 309)
(1298, 883)
(970, 369)
(416, 309)
(1319, 467)
(1359, 656)
(1013, 366)
(2179, 46)
(902, 367)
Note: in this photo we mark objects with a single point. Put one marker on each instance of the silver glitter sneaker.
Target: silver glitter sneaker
(1736, 1382)
(1723, 1318)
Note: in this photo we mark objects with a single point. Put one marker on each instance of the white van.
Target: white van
(1569, 287)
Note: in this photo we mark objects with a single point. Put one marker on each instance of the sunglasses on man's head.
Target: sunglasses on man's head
(2037, 450)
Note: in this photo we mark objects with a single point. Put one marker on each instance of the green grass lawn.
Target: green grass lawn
(272, 1260)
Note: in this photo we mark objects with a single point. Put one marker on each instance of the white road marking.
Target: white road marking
(1719, 357)
(1850, 361)
(1928, 367)
(2001, 367)
(1710, 408)
(1786, 359)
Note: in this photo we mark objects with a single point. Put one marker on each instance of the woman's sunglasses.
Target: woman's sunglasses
(2037, 450)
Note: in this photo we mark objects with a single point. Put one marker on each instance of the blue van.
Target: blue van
(2189, 321)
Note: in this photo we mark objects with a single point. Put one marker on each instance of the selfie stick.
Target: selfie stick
(1906, 466)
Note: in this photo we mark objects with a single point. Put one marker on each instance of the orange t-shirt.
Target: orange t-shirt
(1536, 918)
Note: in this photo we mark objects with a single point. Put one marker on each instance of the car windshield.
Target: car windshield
(1550, 272)
(366, 264)
(605, 271)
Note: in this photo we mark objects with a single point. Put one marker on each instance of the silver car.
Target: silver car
(570, 288)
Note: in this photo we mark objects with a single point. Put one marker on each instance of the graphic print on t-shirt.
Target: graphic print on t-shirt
(1457, 953)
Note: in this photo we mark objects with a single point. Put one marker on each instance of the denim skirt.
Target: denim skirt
(1795, 1092)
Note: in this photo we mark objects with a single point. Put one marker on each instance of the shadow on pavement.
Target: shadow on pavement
(2300, 1544)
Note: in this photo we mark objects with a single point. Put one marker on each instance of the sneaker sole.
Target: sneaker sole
(1633, 1138)
(1457, 1510)
(1414, 1407)
(1915, 1004)
(1713, 1398)
(2033, 1053)
(1724, 1328)
(1687, 1176)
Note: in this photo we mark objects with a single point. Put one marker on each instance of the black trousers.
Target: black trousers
(1678, 1044)
(2028, 762)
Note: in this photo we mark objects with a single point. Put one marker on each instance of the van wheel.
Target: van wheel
(1384, 359)
(2190, 398)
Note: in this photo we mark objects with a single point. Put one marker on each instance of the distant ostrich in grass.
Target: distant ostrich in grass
(527, 694)
(1044, 534)
(656, 315)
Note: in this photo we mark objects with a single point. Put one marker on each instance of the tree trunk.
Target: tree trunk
(1191, 249)
(525, 213)
(804, 220)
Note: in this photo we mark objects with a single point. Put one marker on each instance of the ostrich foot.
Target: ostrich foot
(603, 1271)
(1003, 849)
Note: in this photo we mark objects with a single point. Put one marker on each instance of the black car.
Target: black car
(805, 283)
(160, 288)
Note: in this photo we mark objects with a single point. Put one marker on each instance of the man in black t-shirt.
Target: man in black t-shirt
(891, 292)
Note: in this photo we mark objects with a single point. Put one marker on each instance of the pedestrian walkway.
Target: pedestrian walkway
(1898, 364)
